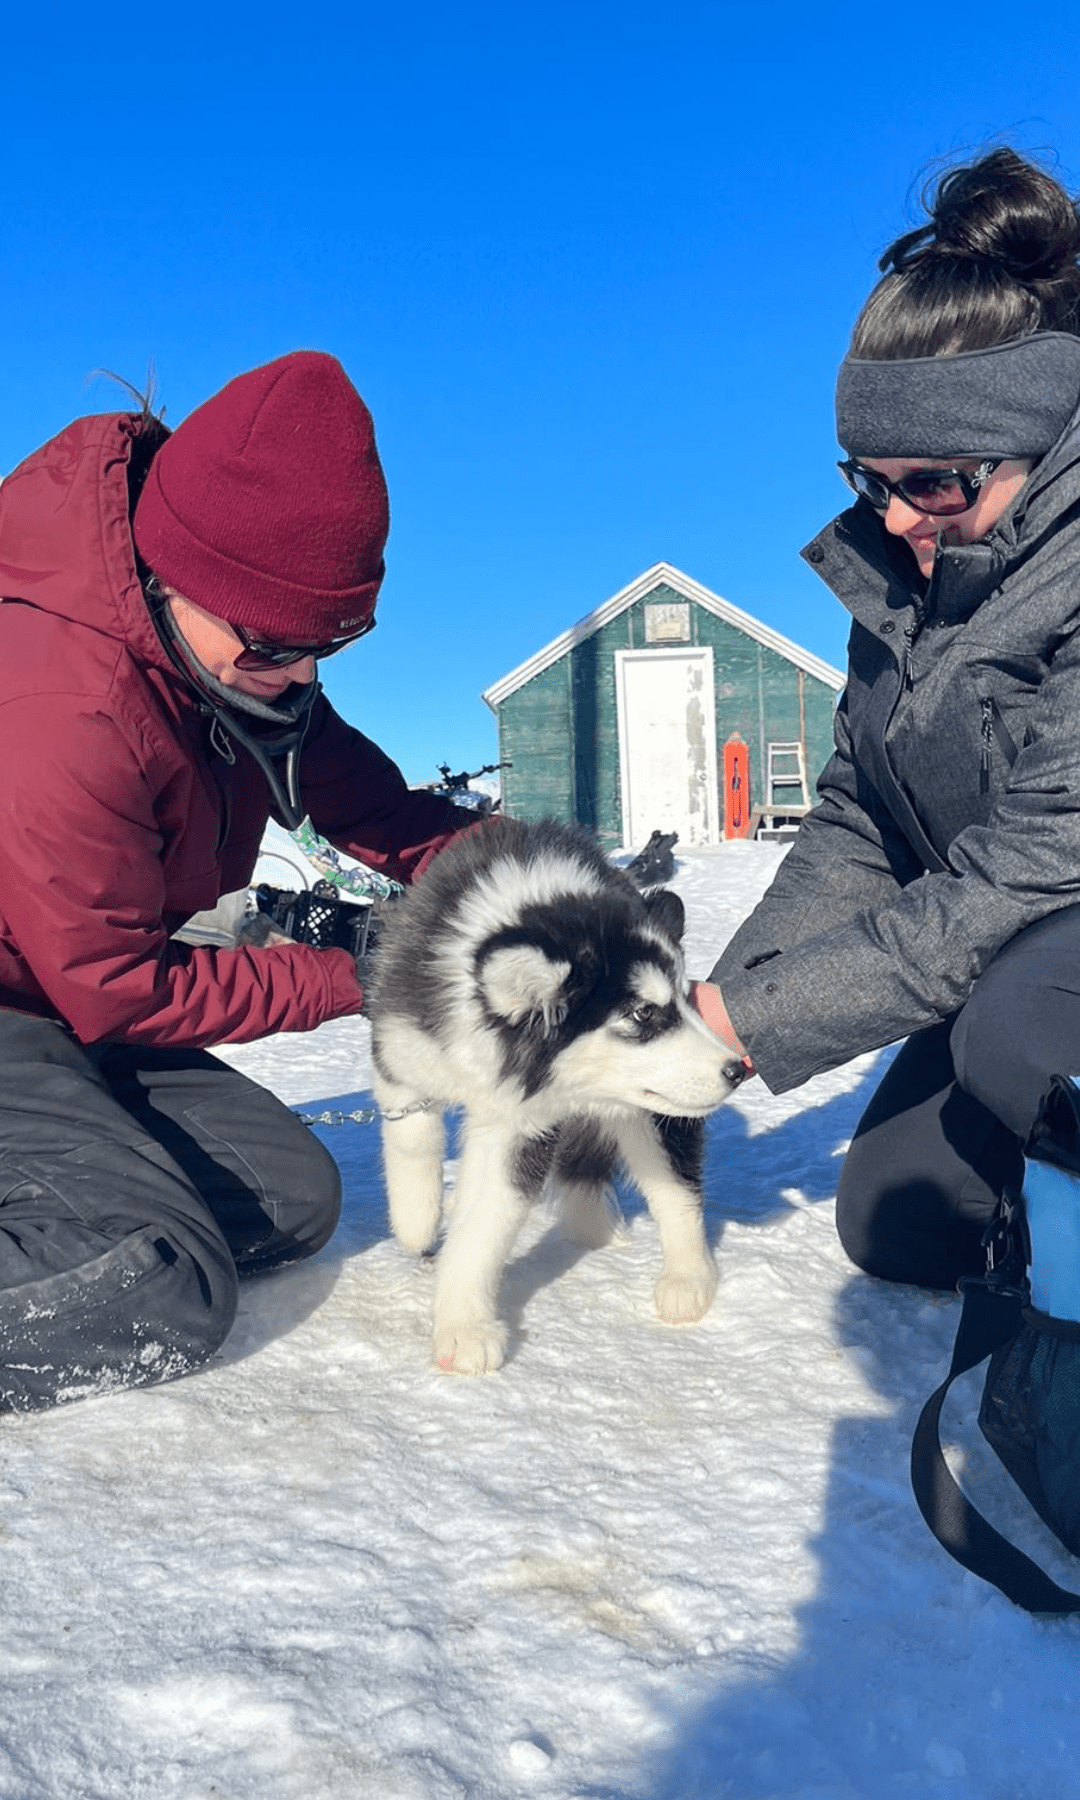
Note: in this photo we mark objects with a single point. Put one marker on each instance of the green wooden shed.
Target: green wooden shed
(621, 723)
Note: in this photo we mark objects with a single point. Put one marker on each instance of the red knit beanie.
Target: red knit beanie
(267, 506)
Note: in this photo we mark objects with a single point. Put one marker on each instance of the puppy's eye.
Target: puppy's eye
(645, 1013)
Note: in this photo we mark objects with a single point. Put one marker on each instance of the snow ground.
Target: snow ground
(639, 1563)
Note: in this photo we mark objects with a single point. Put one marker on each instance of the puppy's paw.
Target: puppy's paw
(684, 1298)
(473, 1349)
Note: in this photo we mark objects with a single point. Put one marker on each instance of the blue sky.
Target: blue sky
(592, 266)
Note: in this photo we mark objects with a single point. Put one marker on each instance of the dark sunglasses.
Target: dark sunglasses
(939, 491)
(257, 654)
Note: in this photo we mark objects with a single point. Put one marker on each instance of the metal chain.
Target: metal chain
(364, 1115)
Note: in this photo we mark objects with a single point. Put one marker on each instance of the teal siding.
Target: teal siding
(560, 729)
(535, 734)
(596, 730)
(560, 734)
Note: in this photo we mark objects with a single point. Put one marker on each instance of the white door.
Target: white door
(667, 744)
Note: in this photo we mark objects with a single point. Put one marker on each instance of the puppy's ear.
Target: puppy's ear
(523, 986)
(667, 913)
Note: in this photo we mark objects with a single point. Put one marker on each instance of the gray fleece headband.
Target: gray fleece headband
(1012, 400)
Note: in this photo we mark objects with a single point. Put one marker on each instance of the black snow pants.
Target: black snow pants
(945, 1132)
(136, 1186)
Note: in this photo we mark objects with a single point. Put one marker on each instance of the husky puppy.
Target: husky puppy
(527, 981)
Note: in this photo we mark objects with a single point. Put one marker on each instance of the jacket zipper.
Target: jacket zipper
(987, 743)
(911, 632)
(993, 726)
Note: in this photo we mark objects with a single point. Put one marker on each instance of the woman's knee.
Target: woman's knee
(149, 1309)
(320, 1204)
(873, 1219)
(305, 1211)
(923, 1172)
(856, 1204)
(905, 1231)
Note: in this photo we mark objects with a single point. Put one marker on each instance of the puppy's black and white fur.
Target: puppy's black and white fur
(527, 981)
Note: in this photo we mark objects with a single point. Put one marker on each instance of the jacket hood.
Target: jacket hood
(65, 534)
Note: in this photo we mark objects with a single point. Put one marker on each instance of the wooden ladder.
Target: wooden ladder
(785, 769)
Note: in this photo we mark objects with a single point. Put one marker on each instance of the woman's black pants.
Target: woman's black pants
(944, 1134)
(136, 1187)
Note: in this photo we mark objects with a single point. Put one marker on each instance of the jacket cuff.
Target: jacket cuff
(346, 992)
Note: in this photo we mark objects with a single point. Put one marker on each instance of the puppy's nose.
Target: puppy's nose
(735, 1072)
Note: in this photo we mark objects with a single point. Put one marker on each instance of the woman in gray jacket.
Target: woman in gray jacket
(934, 892)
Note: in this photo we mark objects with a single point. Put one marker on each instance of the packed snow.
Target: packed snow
(638, 1563)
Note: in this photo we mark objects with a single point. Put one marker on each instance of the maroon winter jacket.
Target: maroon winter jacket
(119, 820)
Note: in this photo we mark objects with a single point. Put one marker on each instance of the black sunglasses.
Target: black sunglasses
(258, 654)
(939, 491)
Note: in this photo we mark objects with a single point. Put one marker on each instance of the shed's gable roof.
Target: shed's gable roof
(665, 574)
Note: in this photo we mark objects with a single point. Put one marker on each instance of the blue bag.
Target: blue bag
(1024, 1313)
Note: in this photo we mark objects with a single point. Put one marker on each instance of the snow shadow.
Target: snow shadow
(748, 1168)
(751, 1166)
(749, 1171)
(748, 1175)
(277, 1302)
(356, 1148)
(911, 1677)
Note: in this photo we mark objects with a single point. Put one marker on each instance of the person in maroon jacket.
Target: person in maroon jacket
(165, 601)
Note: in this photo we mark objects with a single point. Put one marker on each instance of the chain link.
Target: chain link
(364, 1115)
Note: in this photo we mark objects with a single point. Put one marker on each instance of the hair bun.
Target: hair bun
(1009, 212)
(997, 258)
(1001, 210)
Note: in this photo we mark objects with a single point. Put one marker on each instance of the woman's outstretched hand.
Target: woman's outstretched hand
(709, 1002)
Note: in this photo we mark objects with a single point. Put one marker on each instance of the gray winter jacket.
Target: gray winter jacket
(949, 815)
